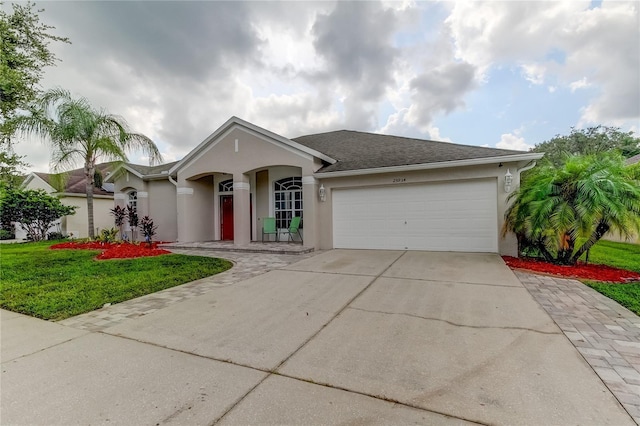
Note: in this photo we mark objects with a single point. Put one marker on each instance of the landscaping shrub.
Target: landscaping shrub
(148, 229)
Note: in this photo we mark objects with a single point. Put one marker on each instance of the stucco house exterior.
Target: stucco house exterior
(614, 236)
(352, 189)
(74, 194)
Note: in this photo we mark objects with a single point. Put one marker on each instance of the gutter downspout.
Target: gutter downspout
(529, 166)
(176, 183)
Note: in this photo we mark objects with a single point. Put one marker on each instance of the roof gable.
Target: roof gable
(235, 122)
(360, 150)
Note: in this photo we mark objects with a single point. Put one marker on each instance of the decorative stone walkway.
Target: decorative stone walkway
(282, 247)
(605, 333)
(246, 265)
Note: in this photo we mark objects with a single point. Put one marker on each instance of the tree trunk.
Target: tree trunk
(602, 228)
(567, 245)
(89, 171)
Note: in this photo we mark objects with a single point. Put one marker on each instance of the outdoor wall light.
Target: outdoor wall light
(322, 193)
(508, 180)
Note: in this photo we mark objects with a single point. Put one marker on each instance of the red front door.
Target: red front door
(226, 217)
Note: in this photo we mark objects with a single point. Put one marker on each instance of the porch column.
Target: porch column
(185, 221)
(309, 210)
(241, 210)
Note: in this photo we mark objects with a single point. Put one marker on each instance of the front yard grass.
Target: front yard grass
(57, 284)
(619, 255)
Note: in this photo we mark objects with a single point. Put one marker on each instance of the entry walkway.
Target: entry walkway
(272, 247)
(245, 266)
(605, 333)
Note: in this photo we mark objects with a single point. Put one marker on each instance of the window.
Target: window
(288, 200)
(226, 186)
(132, 202)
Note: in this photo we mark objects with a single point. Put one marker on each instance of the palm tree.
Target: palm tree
(79, 133)
(584, 199)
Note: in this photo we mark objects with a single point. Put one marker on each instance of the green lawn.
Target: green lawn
(57, 284)
(619, 255)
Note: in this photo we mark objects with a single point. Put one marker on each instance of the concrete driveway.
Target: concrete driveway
(353, 337)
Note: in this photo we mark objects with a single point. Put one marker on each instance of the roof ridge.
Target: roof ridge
(408, 138)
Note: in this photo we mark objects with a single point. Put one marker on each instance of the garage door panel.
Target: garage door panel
(453, 216)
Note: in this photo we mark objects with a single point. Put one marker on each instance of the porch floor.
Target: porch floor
(252, 247)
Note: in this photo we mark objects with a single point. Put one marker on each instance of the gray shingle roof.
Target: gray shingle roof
(633, 160)
(151, 170)
(359, 150)
(75, 184)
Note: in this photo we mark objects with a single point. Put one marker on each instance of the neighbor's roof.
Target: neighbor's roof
(360, 150)
(633, 160)
(75, 183)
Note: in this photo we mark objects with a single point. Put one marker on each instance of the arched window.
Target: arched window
(132, 200)
(226, 186)
(287, 195)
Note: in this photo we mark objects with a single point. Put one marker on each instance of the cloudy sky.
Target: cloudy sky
(498, 74)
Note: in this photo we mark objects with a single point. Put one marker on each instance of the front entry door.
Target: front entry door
(226, 217)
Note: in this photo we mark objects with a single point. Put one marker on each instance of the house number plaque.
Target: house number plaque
(399, 180)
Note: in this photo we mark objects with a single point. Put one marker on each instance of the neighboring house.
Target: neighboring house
(352, 189)
(74, 194)
(612, 236)
(633, 160)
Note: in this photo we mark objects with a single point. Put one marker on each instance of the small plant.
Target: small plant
(51, 236)
(119, 214)
(132, 216)
(108, 235)
(148, 229)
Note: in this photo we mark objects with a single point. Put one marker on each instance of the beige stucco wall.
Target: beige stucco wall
(620, 239)
(162, 209)
(196, 213)
(507, 245)
(156, 199)
(78, 223)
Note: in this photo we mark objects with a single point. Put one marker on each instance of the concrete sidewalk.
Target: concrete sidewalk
(380, 337)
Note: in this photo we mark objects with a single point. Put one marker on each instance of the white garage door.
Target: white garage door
(451, 216)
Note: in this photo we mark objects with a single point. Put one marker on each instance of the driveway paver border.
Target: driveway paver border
(606, 334)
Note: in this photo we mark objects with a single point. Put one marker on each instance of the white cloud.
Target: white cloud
(600, 45)
(178, 70)
(534, 73)
(579, 84)
(513, 141)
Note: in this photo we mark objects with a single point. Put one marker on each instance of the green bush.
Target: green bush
(6, 235)
(56, 236)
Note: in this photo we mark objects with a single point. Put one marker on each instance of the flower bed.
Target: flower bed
(579, 271)
(114, 250)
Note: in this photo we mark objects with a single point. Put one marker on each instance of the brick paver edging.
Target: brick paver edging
(604, 332)
(245, 266)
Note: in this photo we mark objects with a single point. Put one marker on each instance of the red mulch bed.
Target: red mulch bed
(115, 250)
(579, 271)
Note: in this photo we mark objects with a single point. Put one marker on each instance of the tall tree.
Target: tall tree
(24, 53)
(79, 133)
(593, 140)
(584, 199)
